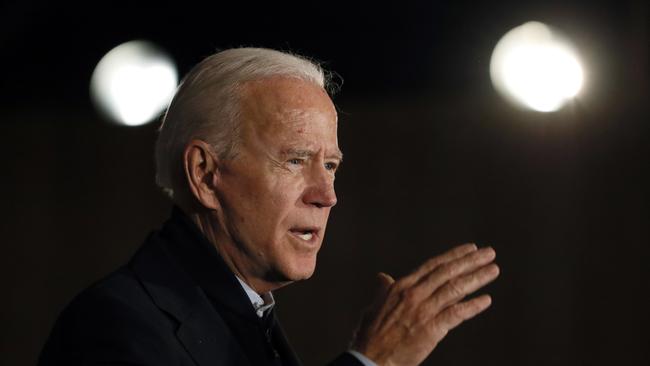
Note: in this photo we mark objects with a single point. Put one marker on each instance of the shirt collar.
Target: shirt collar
(260, 303)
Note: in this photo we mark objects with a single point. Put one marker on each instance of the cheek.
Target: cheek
(264, 208)
(241, 199)
(281, 202)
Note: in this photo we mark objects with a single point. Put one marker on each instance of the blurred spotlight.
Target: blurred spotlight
(533, 66)
(133, 83)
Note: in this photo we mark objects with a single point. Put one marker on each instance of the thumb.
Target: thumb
(385, 281)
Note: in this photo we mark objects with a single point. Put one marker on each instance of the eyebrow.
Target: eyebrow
(303, 153)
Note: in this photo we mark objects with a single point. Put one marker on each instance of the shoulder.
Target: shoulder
(115, 298)
(113, 319)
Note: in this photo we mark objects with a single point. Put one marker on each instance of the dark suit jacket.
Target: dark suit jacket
(175, 303)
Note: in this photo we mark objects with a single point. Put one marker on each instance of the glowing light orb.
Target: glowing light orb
(133, 83)
(535, 67)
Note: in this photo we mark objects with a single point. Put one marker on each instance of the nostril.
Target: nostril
(320, 196)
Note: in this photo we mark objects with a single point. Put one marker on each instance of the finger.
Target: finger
(460, 312)
(455, 268)
(435, 262)
(457, 288)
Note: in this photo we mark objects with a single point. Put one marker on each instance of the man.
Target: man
(248, 152)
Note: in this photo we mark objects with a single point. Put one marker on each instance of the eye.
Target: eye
(331, 166)
(295, 161)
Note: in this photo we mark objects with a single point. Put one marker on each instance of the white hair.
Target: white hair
(206, 104)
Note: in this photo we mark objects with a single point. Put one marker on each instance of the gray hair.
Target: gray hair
(206, 104)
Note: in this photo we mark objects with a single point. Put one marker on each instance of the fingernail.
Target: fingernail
(489, 252)
(468, 245)
(484, 301)
(488, 300)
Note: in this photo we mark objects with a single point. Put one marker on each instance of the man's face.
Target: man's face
(276, 194)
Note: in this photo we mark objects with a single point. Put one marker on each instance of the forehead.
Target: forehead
(287, 109)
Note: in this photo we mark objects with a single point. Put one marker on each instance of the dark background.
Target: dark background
(434, 157)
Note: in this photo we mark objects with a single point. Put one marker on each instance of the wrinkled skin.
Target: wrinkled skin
(413, 314)
(280, 184)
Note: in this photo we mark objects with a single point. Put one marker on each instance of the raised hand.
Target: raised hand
(413, 314)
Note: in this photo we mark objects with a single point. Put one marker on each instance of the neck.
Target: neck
(236, 259)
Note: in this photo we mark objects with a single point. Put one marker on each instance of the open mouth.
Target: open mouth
(305, 234)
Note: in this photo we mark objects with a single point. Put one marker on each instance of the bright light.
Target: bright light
(133, 83)
(533, 66)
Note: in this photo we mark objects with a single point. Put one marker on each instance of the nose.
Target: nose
(320, 189)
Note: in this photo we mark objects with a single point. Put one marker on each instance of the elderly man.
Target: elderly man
(248, 152)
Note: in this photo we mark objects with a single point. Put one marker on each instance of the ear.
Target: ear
(201, 172)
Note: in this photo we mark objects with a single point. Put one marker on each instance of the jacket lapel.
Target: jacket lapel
(288, 355)
(201, 330)
(206, 337)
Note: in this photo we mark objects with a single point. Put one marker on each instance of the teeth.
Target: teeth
(306, 236)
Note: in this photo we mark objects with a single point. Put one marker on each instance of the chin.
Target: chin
(286, 276)
(301, 269)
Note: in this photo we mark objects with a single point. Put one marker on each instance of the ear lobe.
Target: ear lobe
(201, 172)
